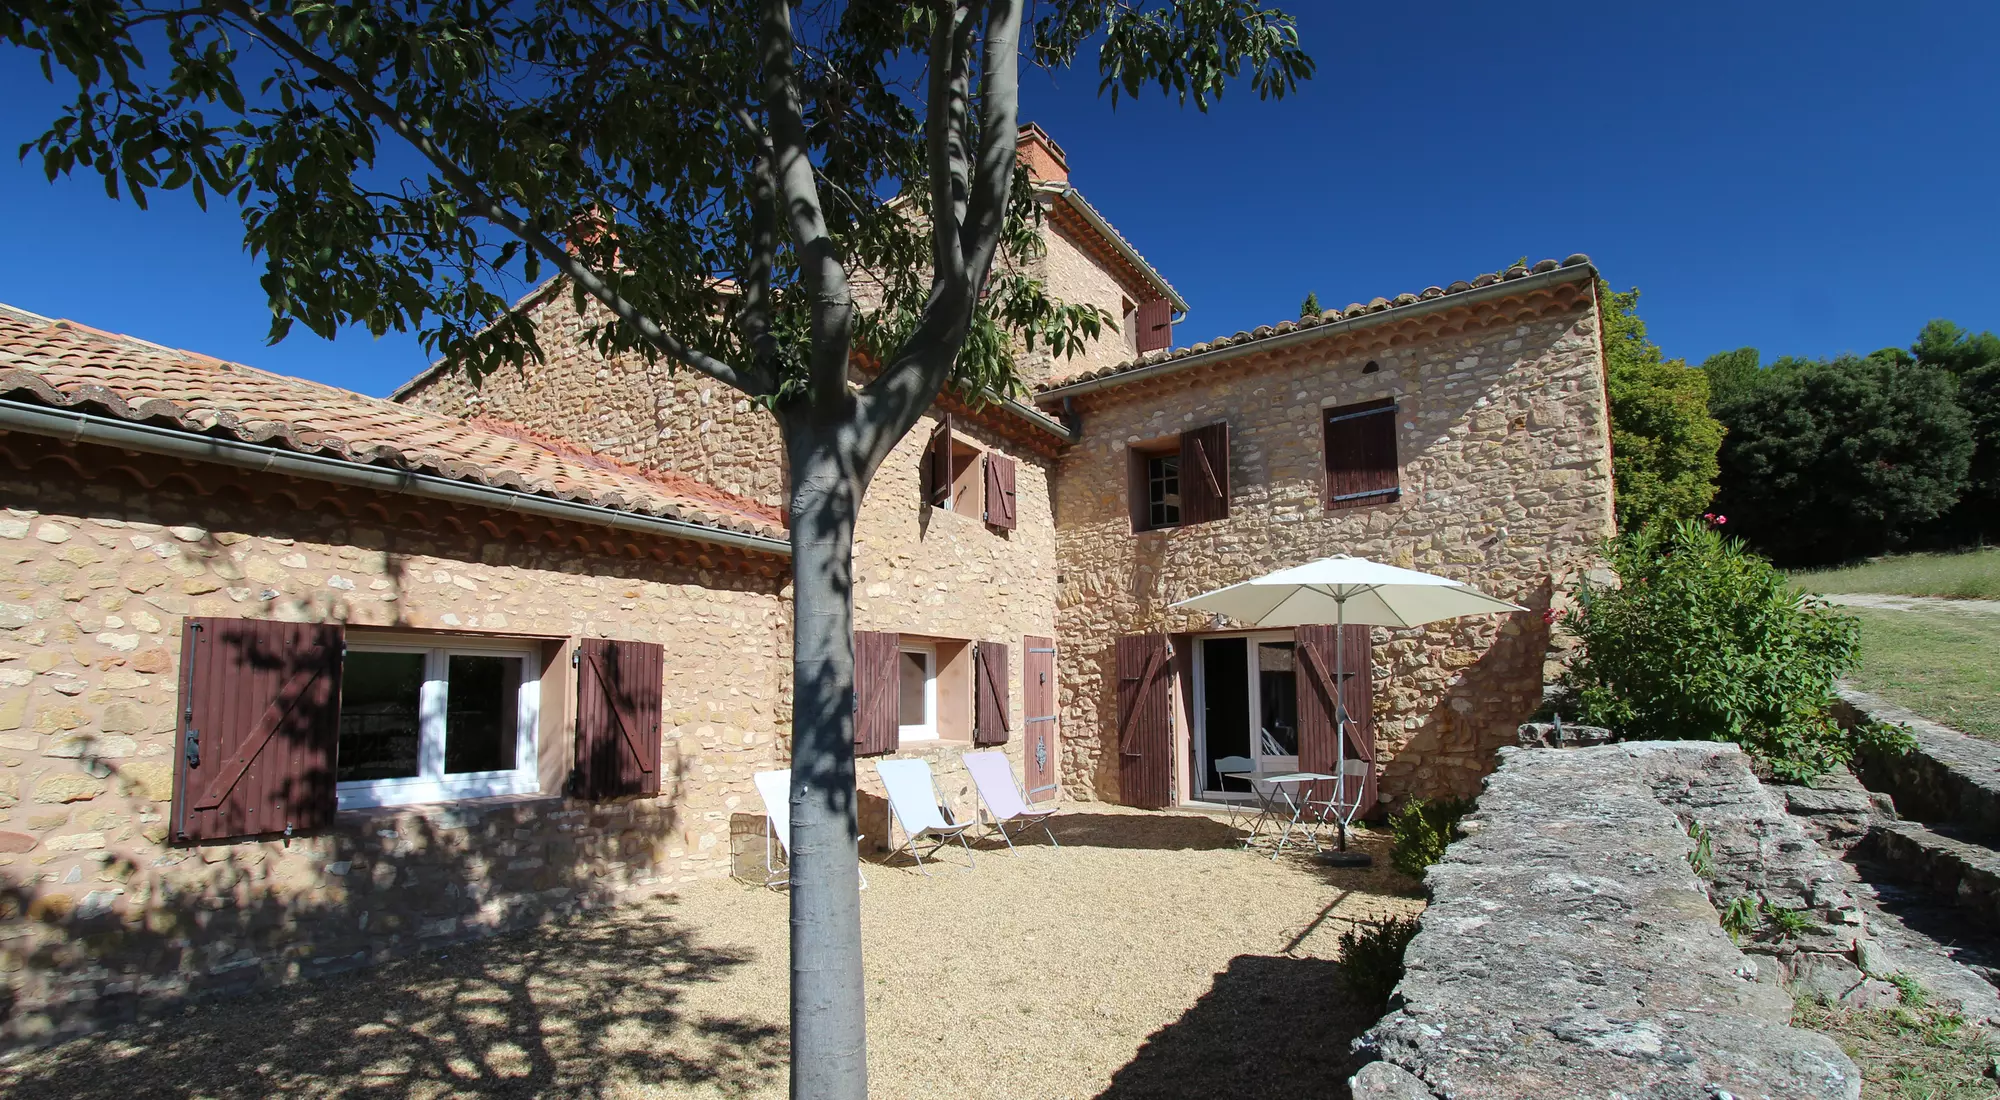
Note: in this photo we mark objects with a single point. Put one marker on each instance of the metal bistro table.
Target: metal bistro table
(1279, 800)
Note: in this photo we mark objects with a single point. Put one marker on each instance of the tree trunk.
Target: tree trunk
(829, 1043)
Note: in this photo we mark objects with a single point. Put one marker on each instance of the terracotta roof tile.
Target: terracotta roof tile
(67, 365)
(1357, 309)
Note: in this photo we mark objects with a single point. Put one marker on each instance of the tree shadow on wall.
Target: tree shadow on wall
(576, 1008)
(1269, 1028)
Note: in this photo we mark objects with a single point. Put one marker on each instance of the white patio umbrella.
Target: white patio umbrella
(1346, 590)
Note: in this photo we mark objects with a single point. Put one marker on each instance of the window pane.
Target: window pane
(481, 714)
(914, 713)
(379, 725)
(1277, 685)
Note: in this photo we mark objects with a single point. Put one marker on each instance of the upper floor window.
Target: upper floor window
(1361, 463)
(1181, 479)
(959, 478)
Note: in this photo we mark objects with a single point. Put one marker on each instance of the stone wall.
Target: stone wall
(1074, 275)
(1506, 484)
(103, 557)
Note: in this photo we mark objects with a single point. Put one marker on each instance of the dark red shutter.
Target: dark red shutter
(1038, 697)
(937, 465)
(1361, 463)
(989, 712)
(877, 693)
(618, 733)
(1000, 510)
(1205, 474)
(259, 727)
(1145, 732)
(1154, 321)
(1318, 751)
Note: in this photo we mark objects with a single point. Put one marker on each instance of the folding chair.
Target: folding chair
(914, 802)
(993, 777)
(1236, 767)
(775, 788)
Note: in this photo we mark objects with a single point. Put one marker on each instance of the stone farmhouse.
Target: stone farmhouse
(294, 680)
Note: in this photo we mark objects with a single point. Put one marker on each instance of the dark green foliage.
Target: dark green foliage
(1371, 958)
(1310, 307)
(1703, 640)
(1423, 828)
(1731, 373)
(1974, 358)
(1663, 440)
(1830, 461)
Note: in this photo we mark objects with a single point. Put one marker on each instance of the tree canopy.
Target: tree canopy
(1663, 440)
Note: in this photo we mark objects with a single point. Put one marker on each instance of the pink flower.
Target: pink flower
(1720, 520)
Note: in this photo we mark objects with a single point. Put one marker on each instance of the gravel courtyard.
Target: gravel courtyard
(1147, 957)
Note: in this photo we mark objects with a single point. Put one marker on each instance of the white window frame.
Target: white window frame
(431, 784)
(928, 729)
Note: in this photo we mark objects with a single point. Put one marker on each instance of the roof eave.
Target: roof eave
(1117, 241)
(1463, 298)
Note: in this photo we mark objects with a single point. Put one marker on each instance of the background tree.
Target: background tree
(1833, 460)
(1731, 373)
(1663, 440)
(1974, 358)
(1310, 307)
(732, 166)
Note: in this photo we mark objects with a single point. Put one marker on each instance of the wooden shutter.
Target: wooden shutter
(1038, 697)
(937, 465)
(1205, 473)
(1318, 751)
(1361, 464)
(1145, 732)
(989, 712)
(1000, 510)
(259, 728)
(1154, 322)
(877, 693)
(618, 733)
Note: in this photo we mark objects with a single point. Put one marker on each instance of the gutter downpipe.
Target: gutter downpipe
(1312, 332)
(82, 427)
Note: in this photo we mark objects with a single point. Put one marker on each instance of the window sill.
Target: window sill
(456, 813)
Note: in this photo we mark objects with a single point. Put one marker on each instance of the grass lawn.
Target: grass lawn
(1967, 575)
(1943, 664)
(1909, 1053)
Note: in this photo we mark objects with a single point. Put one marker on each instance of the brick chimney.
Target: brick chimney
(1043, 157)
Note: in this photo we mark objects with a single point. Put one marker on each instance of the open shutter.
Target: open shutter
(989, 713)
(618, 732)
(1145, 732)
(260, 725)
(1154, 322)
(1318, 751)
(1000, 491)
(937, 465)
(1361, 463)
(877, 696)
(1038, 696)
(1205, 473)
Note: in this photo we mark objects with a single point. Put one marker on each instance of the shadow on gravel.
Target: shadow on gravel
(1154, 831)
(573, 1008)
(1270, 1028)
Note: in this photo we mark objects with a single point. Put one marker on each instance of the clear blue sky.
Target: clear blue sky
(1808, 178)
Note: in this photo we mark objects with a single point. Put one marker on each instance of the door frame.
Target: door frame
(1198, 692)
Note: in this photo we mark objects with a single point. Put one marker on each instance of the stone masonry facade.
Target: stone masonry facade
(105, 557)
(1502, 436)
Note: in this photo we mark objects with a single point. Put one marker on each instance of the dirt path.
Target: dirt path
(1912, 603)
(1148, 957)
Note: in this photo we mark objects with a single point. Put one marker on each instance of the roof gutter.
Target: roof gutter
(1502, 289)
(1040, 419)
(82, 427)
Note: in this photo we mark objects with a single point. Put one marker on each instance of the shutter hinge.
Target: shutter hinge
(191, 747)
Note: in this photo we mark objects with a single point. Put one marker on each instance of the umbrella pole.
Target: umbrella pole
(1340, 711)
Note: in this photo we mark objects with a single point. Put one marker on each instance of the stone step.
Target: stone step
(1950, 778)
(1951, 868)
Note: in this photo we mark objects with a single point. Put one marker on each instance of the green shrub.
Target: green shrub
(1422, 829)
(1739, 917)
(1704, 641)
(1371, 960)
(1702, 859)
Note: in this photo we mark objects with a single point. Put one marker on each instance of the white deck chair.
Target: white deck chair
(993, 776)
(775, 788)
(914, 802)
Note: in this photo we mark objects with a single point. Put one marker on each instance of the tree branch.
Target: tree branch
(999, 136)
(819, 263)
(491, 208)
(950, 81)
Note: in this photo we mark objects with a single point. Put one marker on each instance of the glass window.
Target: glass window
(917, 697)
(1163, 490)
(432, 724)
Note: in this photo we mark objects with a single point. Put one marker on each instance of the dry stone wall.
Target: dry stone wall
(1503, 438)
(104, 557)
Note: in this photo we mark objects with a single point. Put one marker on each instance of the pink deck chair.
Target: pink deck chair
(994, 777)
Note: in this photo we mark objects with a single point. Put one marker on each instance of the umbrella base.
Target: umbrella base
(1345, 859)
